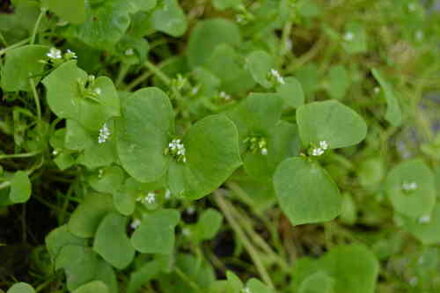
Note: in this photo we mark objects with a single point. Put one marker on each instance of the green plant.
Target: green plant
(219, 146)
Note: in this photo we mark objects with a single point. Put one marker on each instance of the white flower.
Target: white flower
(54, 53)
(167, 194)
(97, 91)
(129, 52)
(104, 133)
(264, 151)
(136, 223)
(177, 149)
(348, 36)
(318, 151)
(246, 290)
(277, 76)
(409, 186)
(55, 152)
(150, 198)
(425, 219)
(190, 210)
(70, 54)
(195, 90)
(224, 96)
(376, 90)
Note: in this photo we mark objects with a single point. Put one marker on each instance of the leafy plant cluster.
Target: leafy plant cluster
(219, 146)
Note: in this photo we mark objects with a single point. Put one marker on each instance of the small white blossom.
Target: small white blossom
(348, 36)
(129, 52)
(190, 210)
(277, 76)
(224, 96)
(135, 224)
(55, 152)
(104, 133)
(195, 90)
(376, 90)
(318, 151)
(167, 194)
(246, 290)
(97, 91)
(70, 54)
(409, 186)
(323, 145)
(177, 149)
(54, 53)
(425, 219)
(150, 198)
(264, 151)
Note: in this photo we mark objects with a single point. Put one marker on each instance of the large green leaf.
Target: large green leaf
(86, 218)
(73, 11)
(20, 65)
(411, 188)
(20, 187)
(156, 232)
(206, 35)
(393, 113)
(169, 18)
(144, 132)
(332, 122)
(112, 242)
(212, 154)
(305, 191)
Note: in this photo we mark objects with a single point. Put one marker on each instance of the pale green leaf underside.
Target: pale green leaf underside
(305, 191)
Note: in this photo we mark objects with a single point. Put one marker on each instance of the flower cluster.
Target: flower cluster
(409, 186)
(56, 55)
(149, 198)
(318, 151)
(256, 145)
(104, 133)
(275, 75)
(177, 150)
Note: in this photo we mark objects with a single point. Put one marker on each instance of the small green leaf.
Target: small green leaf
(411, 188)
(107, 180)
(212, 154)
(60, 237)
(111, 241)
(156, 232)
(338, 82)
(306, 193)
(332, 122)
(259, 64)
(371, 171)
(257, 286)
(20, 187)
(77, 138)
(291, 92)
(208, 224)
(144, 132)
(169, 18)
(85, 219)
(393, 114)
(105, 25)
(207, 35)
(20, 65)
(21, 288)
(93, 287)
(428, 230)
(355, 38)
(73, 11)
(348, 209)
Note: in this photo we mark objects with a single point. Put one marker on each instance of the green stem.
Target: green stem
(122, 73)
(158, 72)
(185, 278)
(22, 42)
(22, 155)
(253, 253)
(37, 25)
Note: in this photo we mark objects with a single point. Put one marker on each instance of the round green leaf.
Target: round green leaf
(107, 180)
(111, 241)
(291, 92)
(21, 288)
(212, 154)
(411, 188)
(306, 193)
(20, 187)
(208, 224)
(93, 287)
(156, 232)
(206, 35)
(259, 64)
(169, 18)
(332, 122)
(73, 11)
(144, 132)
(20, 65)
(85, 219)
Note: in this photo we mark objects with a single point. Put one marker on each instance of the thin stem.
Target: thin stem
(187, 280)
(253, 253)
(22, 155)
(37, 25)
(18, 44)
(140, 79)
(37, 103)
(159, 73)
(122, 73)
